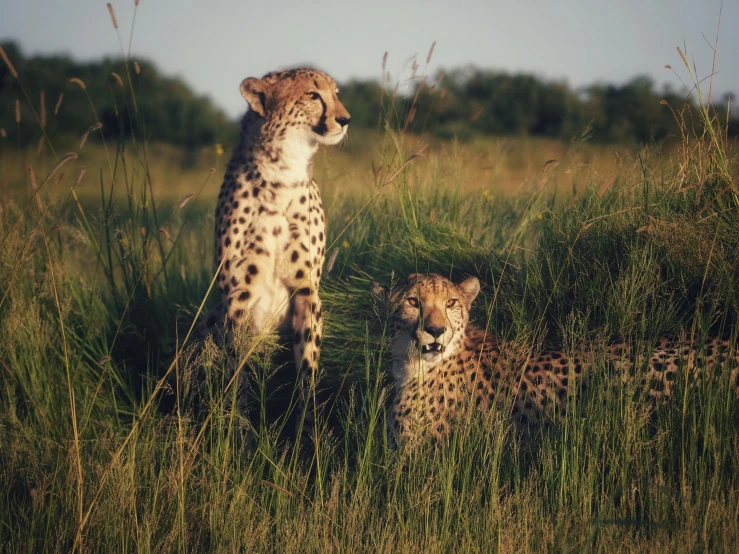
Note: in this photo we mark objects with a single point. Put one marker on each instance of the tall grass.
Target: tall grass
(110, 441)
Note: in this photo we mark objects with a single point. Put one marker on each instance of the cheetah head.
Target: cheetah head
(427, 315)
(299, 104)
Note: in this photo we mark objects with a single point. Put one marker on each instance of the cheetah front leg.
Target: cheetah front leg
(395, 425)
(212, 326)
(405, 415)
(308, 329)
(251, 304)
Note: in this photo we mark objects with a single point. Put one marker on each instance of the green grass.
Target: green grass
(104, 445)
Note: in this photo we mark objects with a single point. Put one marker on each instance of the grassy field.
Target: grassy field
(103, 271)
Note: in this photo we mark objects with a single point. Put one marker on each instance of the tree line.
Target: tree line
(473, 101)
(68, 96)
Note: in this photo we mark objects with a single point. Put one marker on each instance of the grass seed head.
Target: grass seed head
(58, 103)
(412, 114)
(34, 186)
(83, 140)
(80, 176)
(332, 260)
(185, 200)
(112, 15)
(5, 58)
(683, 56)
(431, 52)
(79, 82)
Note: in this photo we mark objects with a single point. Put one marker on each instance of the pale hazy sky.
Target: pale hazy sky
(214, 44)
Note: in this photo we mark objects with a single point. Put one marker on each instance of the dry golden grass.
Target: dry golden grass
(504, 164)
(492, 165)
(497, 164)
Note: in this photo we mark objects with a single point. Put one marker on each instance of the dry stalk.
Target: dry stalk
(42, 101)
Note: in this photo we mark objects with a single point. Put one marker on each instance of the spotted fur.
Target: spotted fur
(270, 225)
(443, 365)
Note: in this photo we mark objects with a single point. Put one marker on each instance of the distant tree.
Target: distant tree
(632, 112)
(165, 108)
(728, 115)
(364, 99)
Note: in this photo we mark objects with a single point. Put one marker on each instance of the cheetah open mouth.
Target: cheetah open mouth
(432, 347)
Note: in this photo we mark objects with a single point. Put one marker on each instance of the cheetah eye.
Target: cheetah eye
(412, 301)
(451, 302)
(313, 94)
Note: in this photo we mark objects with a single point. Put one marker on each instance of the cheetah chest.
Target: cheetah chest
(270, 247)
(433, 391)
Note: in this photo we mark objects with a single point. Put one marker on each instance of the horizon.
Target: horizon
(548, 41)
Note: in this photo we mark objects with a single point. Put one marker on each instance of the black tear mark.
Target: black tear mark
(320, 128)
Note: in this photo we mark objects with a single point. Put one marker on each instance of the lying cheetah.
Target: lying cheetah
(270, 225)
(443, 364)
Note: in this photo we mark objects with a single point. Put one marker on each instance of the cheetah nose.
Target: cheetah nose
(434, 331)
(343, 121)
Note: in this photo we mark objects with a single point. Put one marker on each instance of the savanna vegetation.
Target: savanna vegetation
(105, 266)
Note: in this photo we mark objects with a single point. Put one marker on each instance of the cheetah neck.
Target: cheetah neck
(281, 154)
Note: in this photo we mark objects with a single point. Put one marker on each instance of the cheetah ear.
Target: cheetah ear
(255, 92)
(470, 287)
(380, 293)
(382, 297)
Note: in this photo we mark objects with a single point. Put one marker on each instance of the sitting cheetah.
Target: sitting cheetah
(442, 363)
(270, 225)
